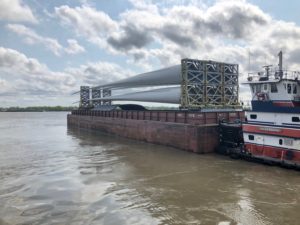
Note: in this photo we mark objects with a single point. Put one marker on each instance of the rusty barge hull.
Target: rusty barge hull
(191, 131)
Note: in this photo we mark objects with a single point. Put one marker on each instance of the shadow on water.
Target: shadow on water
(54, 175)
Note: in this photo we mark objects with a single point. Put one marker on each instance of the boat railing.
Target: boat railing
(273, 75)
(172, 116)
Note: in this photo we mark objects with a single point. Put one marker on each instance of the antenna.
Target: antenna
(280, 64)
(280, 60)
(249, 61)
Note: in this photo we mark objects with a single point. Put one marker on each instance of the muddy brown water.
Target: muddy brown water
(50, 174)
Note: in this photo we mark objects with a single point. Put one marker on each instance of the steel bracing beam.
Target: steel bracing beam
(96, 93)
(84, 97)
(106, 93)
(208, 83)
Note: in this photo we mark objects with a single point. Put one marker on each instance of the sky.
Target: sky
(48, 49)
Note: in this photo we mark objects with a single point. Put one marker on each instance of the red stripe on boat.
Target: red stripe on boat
(278, 131)
(273, 152)
(283, 104)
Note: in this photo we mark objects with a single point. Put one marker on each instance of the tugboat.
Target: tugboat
(271, 130)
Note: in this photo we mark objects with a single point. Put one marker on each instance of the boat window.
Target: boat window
(251, 137)
(289, 88)
(295, 119)
(265, 87)
(288, 141)
(253, 116)
(258, 88)
(280, 141)
(294, 89)
(274, 88)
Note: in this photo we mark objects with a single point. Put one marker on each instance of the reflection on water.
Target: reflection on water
(53, 175)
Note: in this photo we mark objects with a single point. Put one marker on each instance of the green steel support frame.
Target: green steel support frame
(209, 84)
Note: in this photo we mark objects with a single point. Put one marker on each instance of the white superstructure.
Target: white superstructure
(272, 129)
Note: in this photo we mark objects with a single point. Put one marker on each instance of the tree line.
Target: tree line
(37, 109)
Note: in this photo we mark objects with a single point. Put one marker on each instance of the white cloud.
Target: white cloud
(96, 73)
(181, 30)
(222, 31)
(188, 27)
(32, 38)
(149, 35)
(28, 76)
(74, 47)
(12, 59)
(87, 22)
(16, 11)
(6, 87)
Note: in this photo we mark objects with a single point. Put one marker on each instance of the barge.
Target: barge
(191, 131)
(209, 118)
(206, 91)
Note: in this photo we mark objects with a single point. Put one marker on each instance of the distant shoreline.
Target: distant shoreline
(38, 109)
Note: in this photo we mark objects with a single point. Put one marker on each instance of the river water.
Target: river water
(50, 174)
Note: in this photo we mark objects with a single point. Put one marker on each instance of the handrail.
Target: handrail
(274, 75)
(185, 117)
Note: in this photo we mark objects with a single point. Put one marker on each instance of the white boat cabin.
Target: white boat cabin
(279, 119)
(280, 90)
(275, 85)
